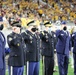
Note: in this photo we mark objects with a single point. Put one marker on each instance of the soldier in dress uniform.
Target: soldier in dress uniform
(74, 48)
(16, 56)
(32, 41)
(47, 49)
(2, 49)
(53, 28)
(63, 47)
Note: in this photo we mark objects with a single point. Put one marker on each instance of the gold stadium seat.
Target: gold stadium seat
(23, 22)
(56, 17)
(40, 11)
(37, 22)
(72, 19)
(31, 15)
(67, 10)
(53, 18)
(71, 14)
(75, 16)
(64, 18)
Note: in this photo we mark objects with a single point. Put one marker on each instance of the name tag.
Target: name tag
(62, 34)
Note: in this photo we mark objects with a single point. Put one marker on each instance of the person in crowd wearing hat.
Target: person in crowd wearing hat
(63, 47)
(47, 50)
(32, 41)
(16, 55)
(2, 49)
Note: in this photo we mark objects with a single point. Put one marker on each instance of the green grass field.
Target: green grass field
(70, 70)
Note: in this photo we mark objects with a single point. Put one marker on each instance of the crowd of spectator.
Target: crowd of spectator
(52, 10)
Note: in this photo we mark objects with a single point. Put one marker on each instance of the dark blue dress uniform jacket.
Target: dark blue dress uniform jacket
(32, 46)
(47, 44)
(16, 56)
(2, 51)
(64, 44)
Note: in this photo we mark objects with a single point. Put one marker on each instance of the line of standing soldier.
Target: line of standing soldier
(25, 48)
(28, 43)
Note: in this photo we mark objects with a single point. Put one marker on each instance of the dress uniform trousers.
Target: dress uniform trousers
(74, 56)
(63, 64)
(49, 65)
(2, 71)
(33, 68)
(16, 70)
